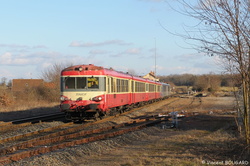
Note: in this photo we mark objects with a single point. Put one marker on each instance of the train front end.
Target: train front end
(83, 90)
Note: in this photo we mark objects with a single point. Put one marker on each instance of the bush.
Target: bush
(6, 99)
(38, 94)
(47, 94)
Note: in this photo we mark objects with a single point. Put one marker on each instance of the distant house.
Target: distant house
(19, 85)
(151, 76)
(22, 84)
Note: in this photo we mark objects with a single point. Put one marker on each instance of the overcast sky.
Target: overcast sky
(121, 34)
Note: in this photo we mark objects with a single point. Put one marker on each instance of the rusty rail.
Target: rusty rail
(5, 126)
(105, 132)
(14, 138)
(74, 129)
(39, 118)
(44, 139)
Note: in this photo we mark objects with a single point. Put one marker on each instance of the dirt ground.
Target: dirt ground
(207, 136)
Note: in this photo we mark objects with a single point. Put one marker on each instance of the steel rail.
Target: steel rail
(4, 126)
(49, 140)
(74, 129)
(14, 138)
(39, 118)
(77, 139)
(70, 130)
(33, 119)
(9, 126)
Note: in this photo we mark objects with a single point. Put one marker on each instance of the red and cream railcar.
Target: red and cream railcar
(89, 91)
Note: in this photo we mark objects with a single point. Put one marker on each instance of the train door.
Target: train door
(132, 96)
(154, 91)
(147, 90)
(109, 96)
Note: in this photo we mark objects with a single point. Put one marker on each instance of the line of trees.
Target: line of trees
(206, 82)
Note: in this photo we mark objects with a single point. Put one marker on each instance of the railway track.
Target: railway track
(5, 126)
(55, 142)
(193, 103)
(51, 129)
(46, 140)
(41, 118)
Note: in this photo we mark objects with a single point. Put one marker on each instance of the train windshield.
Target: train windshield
(83, 83)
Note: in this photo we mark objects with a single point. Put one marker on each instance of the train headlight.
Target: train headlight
(98, 98)
(63, 98)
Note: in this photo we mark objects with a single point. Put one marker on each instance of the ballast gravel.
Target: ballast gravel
(76, 155)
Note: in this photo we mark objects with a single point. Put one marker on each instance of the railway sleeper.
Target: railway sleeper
(44, 149)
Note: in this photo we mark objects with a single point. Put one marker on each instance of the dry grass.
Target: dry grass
(6, 98)
(182, 147)
(229, 89)
(28, 99)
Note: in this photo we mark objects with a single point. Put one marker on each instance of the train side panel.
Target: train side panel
(116, 100)
(111, 90)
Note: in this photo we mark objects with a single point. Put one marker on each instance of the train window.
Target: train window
(132, 86)
(118, 84)
(140, 87)
(81, 83)
(70, 83)
(122, 85)
(112, 85)
(158, 88)
(93, 82)
(125, 85)
(108, 84)
(151, 87)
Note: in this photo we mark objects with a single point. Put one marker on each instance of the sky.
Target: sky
(127, 35)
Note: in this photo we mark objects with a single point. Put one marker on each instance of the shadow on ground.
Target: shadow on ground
(14, 115)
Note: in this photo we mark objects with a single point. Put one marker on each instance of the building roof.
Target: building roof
(151, 76)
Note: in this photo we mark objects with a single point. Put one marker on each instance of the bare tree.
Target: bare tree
(202, 83)
(224, 31)
(214, 82)
(52, 74)
(3, 81)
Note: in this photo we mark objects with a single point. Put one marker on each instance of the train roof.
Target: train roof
(91, 69)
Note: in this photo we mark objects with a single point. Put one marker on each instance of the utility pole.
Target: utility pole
(155, 58)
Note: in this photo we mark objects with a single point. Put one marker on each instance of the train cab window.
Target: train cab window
(81, 83)
(70, 83)
(93, 82)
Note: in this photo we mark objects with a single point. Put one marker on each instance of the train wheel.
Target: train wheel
(97, 116)
(113, 111)
(68, 116)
